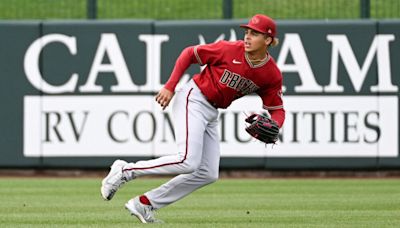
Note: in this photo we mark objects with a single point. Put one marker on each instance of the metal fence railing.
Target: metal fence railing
(198, 9)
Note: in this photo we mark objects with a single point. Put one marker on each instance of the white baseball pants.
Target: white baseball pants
(197, 160)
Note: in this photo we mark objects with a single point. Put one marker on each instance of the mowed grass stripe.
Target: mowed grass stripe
(76, 202)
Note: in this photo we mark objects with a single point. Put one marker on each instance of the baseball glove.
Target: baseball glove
(262, 128)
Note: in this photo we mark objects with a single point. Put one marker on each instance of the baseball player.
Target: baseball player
(233, 69)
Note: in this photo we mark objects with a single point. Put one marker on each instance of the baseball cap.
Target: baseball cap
(262, 23)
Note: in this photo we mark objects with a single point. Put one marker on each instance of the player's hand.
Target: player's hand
(163, 97)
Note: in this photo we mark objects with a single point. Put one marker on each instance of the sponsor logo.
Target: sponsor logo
(330, 112)
(236, 62)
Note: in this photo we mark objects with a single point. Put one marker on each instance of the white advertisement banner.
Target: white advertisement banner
(134, 125)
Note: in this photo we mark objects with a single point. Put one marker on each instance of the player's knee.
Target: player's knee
(213, 177)
(207, 177)
(190, 166)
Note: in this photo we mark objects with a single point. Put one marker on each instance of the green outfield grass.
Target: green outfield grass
(195, 9)
(50, 202)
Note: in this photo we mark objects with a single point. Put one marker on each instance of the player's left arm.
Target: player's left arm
(272, 101)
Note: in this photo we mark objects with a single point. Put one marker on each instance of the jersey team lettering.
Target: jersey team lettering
(238, 83)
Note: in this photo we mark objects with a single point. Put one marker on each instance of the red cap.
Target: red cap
(263, 24)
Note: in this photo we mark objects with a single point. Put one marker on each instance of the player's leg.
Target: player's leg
(184, 184)
(190, 122)
(142, 207)
(190, 117)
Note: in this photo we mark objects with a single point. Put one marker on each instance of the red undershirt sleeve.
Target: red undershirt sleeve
(278, 115)
(272, 101)
(185, 59)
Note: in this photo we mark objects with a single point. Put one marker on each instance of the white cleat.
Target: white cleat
(114, 180)
(145, 213)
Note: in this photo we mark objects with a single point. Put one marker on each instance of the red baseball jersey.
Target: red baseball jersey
(229, 75)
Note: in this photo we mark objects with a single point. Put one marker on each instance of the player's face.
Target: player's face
(255, 41)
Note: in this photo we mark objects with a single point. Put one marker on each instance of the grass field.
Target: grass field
(195, 9)
(69, 202)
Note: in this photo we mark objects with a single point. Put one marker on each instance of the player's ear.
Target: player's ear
(268, 40)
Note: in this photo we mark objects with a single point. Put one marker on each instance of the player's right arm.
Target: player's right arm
(201, 54)
(185, 59)
(163, 97)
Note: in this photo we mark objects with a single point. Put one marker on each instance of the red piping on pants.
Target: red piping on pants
(187, 139)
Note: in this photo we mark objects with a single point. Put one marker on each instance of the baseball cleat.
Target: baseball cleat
(114, 180)
(145, 213)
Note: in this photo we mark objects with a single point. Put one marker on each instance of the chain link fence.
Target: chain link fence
(198, 9)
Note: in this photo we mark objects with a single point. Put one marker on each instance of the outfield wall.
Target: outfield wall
(81, 93)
